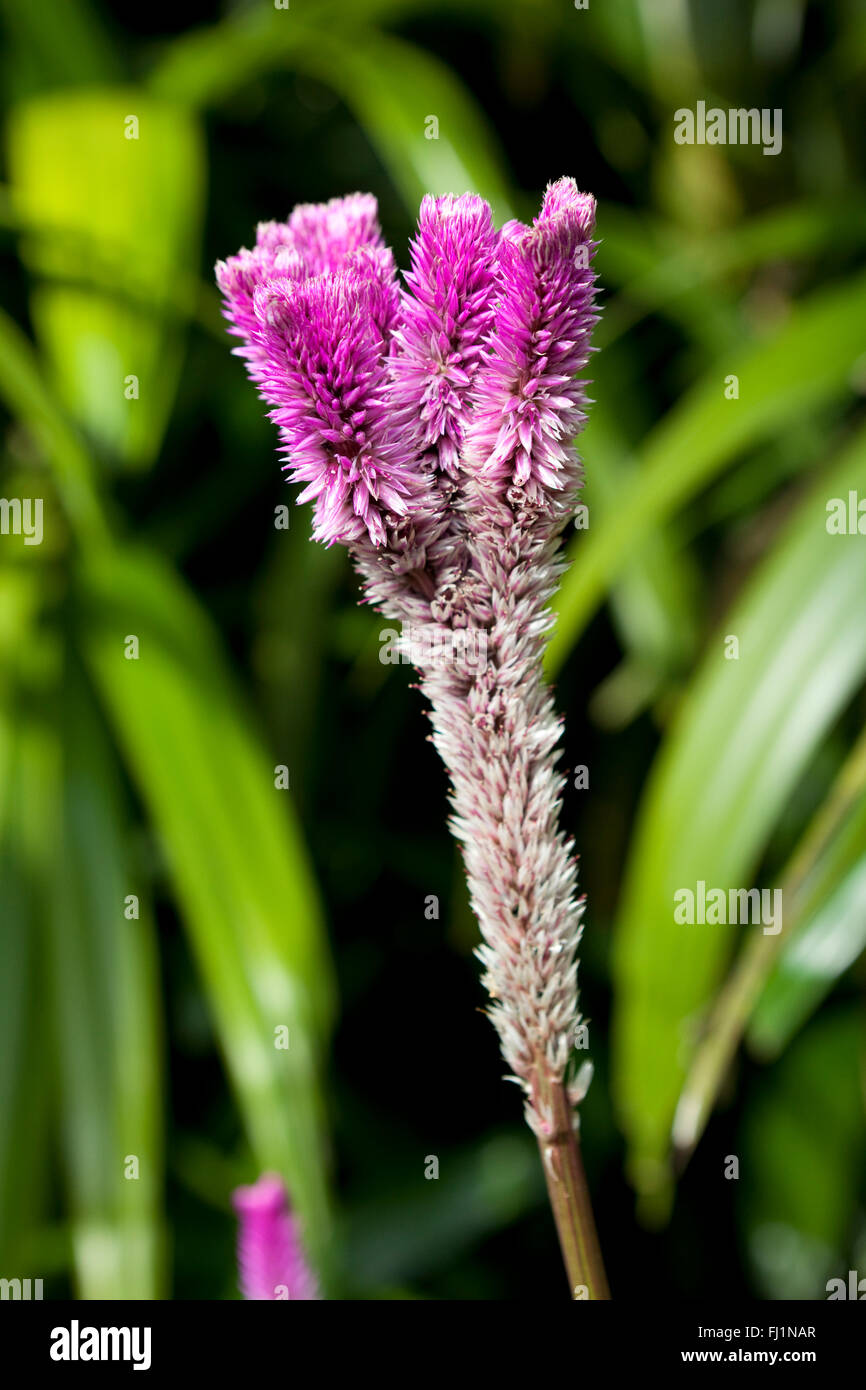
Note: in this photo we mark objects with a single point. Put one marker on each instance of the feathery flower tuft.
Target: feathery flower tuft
(271, 1259)
(324, 234)
(315, 303)
(527, 401)
(446, 316)
(318, 237)
(239, 277)
(323, 343)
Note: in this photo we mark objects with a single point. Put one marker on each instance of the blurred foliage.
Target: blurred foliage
(167, 908)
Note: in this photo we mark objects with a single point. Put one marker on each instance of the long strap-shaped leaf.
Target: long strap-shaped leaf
(745, 733)
(102, 953)
(823, 930)
(244, 885)
(245, 890)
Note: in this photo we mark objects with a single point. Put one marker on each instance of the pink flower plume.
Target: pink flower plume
(271, 1260)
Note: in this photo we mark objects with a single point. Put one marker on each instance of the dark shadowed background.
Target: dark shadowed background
(166, 909)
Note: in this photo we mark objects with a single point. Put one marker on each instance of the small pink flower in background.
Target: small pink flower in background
(271, 1260)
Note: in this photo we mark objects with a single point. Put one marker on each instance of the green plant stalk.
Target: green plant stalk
(570, 1202)
(735, 1003)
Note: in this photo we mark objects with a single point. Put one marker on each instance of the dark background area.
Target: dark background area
(412, 1068)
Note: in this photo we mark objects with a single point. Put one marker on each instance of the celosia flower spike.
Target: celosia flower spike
(324, 234)
(318, 237)
(528, 401)
(271, 1260)
(434, 431)
(324, 342)
(446, 316)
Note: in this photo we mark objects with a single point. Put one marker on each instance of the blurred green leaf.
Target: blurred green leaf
(424, 123)
(810, 886)
(123, 214)
(803, 1151)
(207, 65)
(654, 601)
(29, 399)
(779, 381)
(743, 736)
(424, 1224)
(426, 126)
(58, 45)
(242, 877)
(830, 940)
(660, 269)
(106, 1003)
(23, 1072)
(830, 943)
(620, 37)
(288, 652)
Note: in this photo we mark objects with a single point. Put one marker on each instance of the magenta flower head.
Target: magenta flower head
(316, 239)
(446, 317)
(325, 367)
(528, 400)
(324, 234)
(271, 1259)
(315, 303)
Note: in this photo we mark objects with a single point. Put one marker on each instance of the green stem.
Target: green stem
(569, 1200)
(735, 1003)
